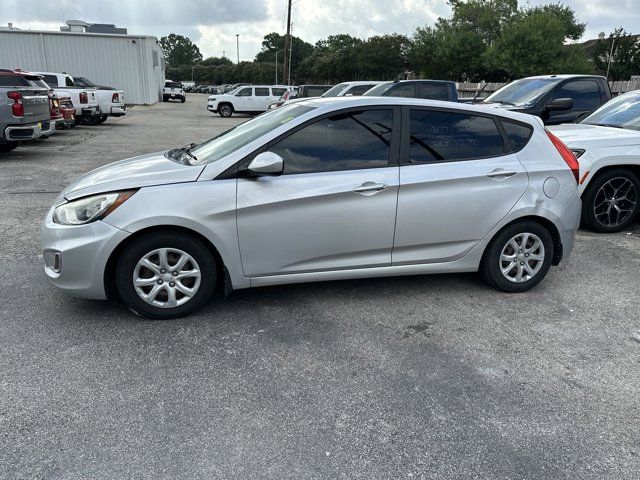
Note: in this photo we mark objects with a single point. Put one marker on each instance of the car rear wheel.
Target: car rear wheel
(225, 110)
(518, 257)
(612, 201)
(166, 275)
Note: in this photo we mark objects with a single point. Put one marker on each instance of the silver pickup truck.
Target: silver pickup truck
(24, 110)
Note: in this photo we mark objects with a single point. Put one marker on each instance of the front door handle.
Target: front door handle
(369, 188)
(500, 173)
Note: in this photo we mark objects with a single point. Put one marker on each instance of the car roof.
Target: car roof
(361, 82)
(421, 80)
(330, 103)
(563, 76)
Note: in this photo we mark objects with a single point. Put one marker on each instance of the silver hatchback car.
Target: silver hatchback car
(320, 190)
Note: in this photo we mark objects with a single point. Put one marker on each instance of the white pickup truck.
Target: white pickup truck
(84, 99)
(110, 100)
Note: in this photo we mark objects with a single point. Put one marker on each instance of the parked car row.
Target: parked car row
(34, 105)
(610, 171)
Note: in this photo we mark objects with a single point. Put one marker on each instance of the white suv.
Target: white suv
(173, 91)
(249, 99)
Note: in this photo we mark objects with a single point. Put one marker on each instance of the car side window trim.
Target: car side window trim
(394, 153)
(406, 140)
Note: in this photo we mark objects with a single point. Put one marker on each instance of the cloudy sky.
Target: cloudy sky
(213, 24)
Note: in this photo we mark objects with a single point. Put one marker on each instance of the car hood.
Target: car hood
(583, 135)
(142, 171)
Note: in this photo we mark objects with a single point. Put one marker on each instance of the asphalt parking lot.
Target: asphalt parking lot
(415, 377)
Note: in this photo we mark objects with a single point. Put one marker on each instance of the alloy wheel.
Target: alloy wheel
(522, 257)
(615, 202)
(166, 277)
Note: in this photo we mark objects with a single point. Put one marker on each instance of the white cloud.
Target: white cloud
(213, 24)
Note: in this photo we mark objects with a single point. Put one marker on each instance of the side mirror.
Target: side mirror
(560, 104)
(266, 164)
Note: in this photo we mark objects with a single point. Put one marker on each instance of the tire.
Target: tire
(491, 267)
(165, 98)
(600, 204)
(182, 100)
(225, 110)
(150, 246)
(7, 147)
(102, 119)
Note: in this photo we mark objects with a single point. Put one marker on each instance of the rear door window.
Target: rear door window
(262, 92)
(442, 136)
(432, 91)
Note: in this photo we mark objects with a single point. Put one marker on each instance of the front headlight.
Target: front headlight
(89, 209)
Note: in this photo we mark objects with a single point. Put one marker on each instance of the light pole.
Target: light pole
(277, 66)
(613, 42)
(238, 46)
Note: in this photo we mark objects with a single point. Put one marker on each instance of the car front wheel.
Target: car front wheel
(518, 257)
(225, 110)
(166, 275)
(612, 201)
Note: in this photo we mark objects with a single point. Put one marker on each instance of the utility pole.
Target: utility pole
(276, 66)
(238, 46)
(287, 42)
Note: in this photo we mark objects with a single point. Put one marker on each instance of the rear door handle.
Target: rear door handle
(370, 188)
(501, 173)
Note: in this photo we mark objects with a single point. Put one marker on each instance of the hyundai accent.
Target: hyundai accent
(323, 189)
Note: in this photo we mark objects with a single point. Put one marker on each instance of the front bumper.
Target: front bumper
(212, 107)
(75, 257)
(31, 131)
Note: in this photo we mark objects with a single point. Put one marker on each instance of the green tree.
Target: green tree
(455, 48)
(625, 60)
(179, 50)
(212, 61)
(533, 44)
(272, 42)
(382, 57)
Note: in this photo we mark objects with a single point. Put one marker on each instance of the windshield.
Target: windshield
(378, 90)
(237, 137)
(522, 92)
(336, 90)
(622, 111)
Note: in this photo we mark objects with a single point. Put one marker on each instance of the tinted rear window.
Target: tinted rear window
(13, 81)
(173, 85)
(517, 133)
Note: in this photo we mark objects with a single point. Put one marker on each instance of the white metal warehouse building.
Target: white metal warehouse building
(132, 63)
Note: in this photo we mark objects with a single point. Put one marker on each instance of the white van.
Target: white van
(248, 99)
